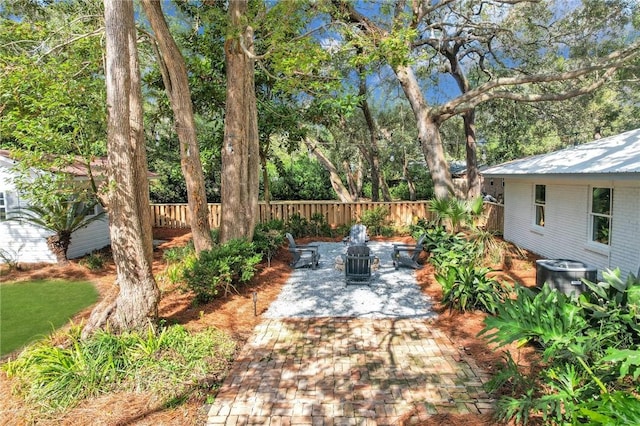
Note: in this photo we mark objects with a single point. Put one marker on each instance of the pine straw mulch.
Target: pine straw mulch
(235, 315)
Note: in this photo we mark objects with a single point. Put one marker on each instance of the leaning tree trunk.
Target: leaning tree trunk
(135, 302)
(407, 176)
(351, 180)
(240, 150)
(174, 75)
(334, 177)
(428, 133)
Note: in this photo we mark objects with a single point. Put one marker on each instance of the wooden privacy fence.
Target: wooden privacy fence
(401, 213)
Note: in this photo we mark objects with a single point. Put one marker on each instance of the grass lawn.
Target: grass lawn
(32, 309)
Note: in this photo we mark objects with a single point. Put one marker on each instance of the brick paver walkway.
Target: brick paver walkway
(331, 371)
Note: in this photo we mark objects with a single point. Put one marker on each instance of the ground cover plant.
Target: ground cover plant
(590, 358)
(58, 373)
(31, 310)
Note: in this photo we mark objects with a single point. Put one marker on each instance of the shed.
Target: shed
(581, 202)
(26, 243)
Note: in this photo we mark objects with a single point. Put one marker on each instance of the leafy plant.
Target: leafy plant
(466, 287)
(614, 305)
(10, 258)
(628, 359)
(451, 250)
(221, 269)
(268, 242)
(178, 254)
(375, 219)
(548, 318)
(94, 261)
(297, 225)
(589, 348)
(318, 225)
(62, 217)
(54, 376)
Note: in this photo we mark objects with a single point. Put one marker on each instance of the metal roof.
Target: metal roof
(614, 154)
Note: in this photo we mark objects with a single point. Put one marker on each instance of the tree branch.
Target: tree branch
(480, 94)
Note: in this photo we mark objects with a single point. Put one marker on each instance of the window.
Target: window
(539, 203)
(600, 216)
(3, 206)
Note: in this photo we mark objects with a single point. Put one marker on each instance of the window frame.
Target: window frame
(539, 206)
(3, 205)
(593, 216)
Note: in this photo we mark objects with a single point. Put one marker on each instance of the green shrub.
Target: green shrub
(375, 220)
(466, 287)
(170, 363)
(178, 254)
(94, 261)
(318, 225)
(221, 269)
(450, 250)
(590, 352)
(267, 242)
(613, 307)
(297, 225)
(548, 317)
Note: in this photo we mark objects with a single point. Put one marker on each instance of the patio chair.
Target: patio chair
(407, 254)
(357, 264)
(357, 235)
(303, 255)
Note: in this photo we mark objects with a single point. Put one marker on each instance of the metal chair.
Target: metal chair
(303, 255)
(357, 264)
(408, 254)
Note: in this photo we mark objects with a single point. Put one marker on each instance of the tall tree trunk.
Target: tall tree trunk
(407, 176)
(174, 75)
(371, 152)
(127, 198)
(59, 245)
(428, 133)
(336, 183)
(266, 187)
(240, 151)
(386, 194)
(474, 182)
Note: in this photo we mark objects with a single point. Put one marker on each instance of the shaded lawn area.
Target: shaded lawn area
(32, 309)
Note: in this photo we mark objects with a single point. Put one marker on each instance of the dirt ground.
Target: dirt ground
(237, 315)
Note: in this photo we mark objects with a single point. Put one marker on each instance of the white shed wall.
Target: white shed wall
(566, 231)
(26, 243)
(93, 237)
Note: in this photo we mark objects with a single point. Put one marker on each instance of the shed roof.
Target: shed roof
(78, 168)
(615, 154)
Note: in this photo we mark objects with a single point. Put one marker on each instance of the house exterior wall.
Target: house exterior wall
(93, 237)
(25, 243)
(565, 234)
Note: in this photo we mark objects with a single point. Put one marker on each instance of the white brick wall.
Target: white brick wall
(566, 232)
(625, 237)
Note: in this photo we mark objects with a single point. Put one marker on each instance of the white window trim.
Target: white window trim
(536, 205)
(591, 214)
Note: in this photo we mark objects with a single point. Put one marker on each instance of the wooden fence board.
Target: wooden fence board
(401, 213)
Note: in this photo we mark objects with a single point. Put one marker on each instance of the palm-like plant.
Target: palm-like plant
(63, 218)
(456, 213)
